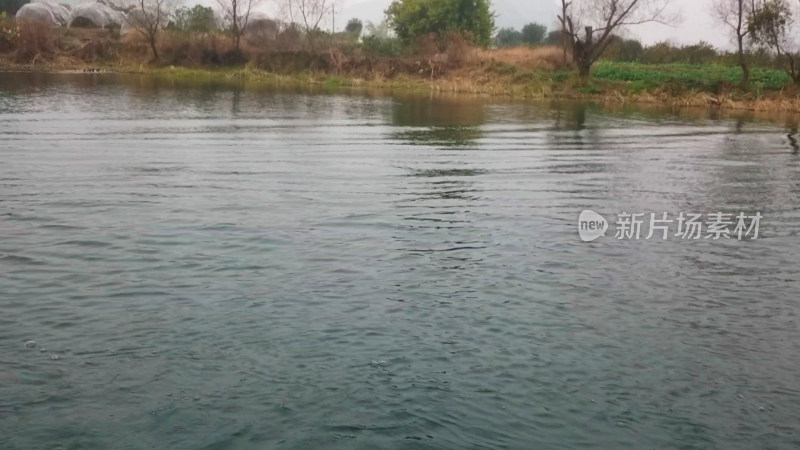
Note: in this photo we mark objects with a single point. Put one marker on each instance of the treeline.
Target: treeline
(631, 50)
(531, 34)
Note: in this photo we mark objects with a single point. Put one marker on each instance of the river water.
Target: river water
(213, 267)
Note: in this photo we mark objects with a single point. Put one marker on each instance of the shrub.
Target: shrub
(411, 19)
(620, 49)
(507, 37)
(354, 26)
(664, 52)
(555, 37)
(382, 46)
(630, 50)
(9, 32)
(457, 49)
(35, 40)
(101, 47)
(290, 39)
(198, 18)
(193, 49)
(533, 33)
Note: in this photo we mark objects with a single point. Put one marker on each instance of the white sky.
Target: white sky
(697, 24)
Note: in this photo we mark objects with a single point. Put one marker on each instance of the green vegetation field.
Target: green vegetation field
(705, 77)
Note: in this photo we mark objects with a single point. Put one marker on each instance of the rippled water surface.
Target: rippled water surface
(225, 268)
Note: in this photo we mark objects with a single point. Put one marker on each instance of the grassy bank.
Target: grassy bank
(520, 72)
(612, 82)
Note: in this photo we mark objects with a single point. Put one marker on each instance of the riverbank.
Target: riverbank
(523, 72)
(676, 85)
(499, 81)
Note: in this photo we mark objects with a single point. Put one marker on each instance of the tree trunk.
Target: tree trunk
(584, 66)
(791, 68)
(237, 33)
(583, 54)
(153, 47)
(745, 72)
(743, 62)
(740, 33)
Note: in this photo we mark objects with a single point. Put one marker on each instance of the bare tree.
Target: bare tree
(773, 26)
(237, 13)
(564, 37)
(148, 17)
(599, 20)
(736, 14)
(309, 14)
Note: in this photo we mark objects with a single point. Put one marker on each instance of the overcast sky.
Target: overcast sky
(697, 23)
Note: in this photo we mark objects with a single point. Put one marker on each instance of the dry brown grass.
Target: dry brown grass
(544, 57)
(36, 41)
(198, 49)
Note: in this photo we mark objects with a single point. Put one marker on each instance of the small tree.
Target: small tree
(555, 37)
(533, 33)
(378, 40)
(198, 18)
(599, 20)
(380, 30)
(237, 13)
(735, 14)
(354, 26)
(772, 25)
(148, 17)
(507, 37)
(411, 19)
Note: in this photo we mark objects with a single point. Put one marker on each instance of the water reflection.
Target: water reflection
(570, 117)
(441, 121)
(439, 190)
(792, 136)
(754, 175)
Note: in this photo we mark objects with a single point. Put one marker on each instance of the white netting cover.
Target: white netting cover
(37, 12)
(95, 15)
(60, 11)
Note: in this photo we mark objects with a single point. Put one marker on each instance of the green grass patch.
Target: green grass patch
(591, 89)
(333, 83)
(704, 77)
(561, 75)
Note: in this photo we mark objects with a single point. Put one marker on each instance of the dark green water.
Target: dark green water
(218, 268)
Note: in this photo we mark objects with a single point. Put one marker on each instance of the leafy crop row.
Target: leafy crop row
(690, 76)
